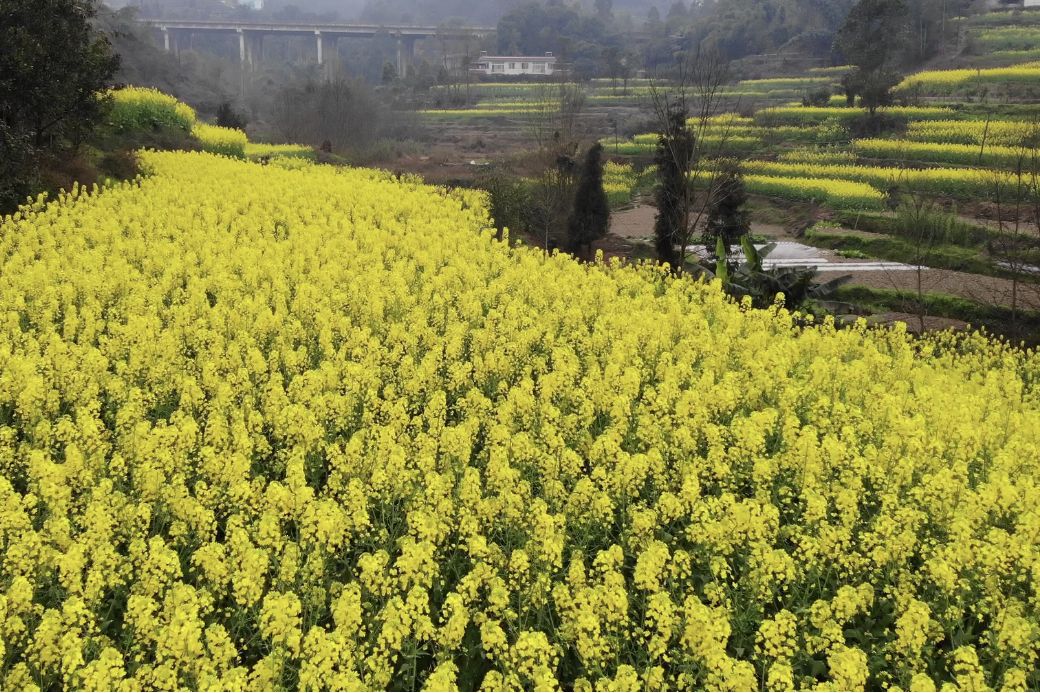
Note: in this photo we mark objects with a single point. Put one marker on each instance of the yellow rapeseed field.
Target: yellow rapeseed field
(948, 81)
(280, 427)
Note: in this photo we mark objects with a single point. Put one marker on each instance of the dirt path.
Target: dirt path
(638, 223)
(635, 223)
(975, 287)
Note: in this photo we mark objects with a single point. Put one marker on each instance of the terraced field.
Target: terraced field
(941, 145)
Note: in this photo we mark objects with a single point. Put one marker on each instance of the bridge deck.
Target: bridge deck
(332, 28)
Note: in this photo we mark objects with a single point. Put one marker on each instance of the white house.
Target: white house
(502, 65)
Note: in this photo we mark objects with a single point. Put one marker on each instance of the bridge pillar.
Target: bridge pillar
(177, 39)
(254, 49)
(243, 50)
(405, 55)
(166, 39)
(328, 53)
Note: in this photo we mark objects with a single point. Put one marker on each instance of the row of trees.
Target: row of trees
(562, 201)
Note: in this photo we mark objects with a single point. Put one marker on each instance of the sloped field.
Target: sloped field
(271, 427)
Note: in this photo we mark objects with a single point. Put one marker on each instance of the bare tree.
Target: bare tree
(557, 116)
(925, 226)
(1016, 196)
(555, 129)
(691, 141)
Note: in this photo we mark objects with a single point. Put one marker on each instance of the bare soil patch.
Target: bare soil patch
(975, 287)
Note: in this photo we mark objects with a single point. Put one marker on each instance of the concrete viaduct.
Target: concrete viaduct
(326, 35)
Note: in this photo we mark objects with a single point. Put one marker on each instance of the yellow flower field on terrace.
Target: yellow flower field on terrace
(947, 81)
(267, 427)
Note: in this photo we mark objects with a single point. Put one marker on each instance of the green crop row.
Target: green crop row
(936, 153)
(839, 193)
(1009, 38)
(1005, 133)
(961, 183)
(945, 82)
(807, 115)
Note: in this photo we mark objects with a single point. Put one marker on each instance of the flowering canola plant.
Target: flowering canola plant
(622, 181)
(144, 108)
(948, 81)
(839, 193)
(954, 182)
(1004, 133)
(808, 115)
(991, 155)
(220, 140)
(298, 427)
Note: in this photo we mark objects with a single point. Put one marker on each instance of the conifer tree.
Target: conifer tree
(727, 218)
(590, 215)
(673, 158)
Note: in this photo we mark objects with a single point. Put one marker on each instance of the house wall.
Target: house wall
(517, 67)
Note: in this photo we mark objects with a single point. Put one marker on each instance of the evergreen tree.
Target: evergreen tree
(228, 117)
(54, 68)
(590, 216)
(727, 218)
(872, 39)
(674, 158)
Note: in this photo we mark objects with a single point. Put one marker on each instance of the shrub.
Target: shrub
(121, 164)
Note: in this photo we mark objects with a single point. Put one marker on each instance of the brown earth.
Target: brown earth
(913, 322)
(975, 287)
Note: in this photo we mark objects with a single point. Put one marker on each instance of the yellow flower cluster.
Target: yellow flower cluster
(952, 182)
(1004, 133)
(143, 108)
(622, 181)
(818, 155)
(992, 155)
(809, 115)
(845, 194)
(940, 82)
(1008, 38)
(268, 427)
(139, 108)
(220, 140)
(260, 150)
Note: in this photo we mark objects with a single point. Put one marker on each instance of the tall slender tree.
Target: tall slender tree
(727, 218)
(590, 216)
(674, 157)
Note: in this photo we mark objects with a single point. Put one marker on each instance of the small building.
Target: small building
(512, 65)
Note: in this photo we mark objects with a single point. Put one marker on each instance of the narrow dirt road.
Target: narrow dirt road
(638, 223)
